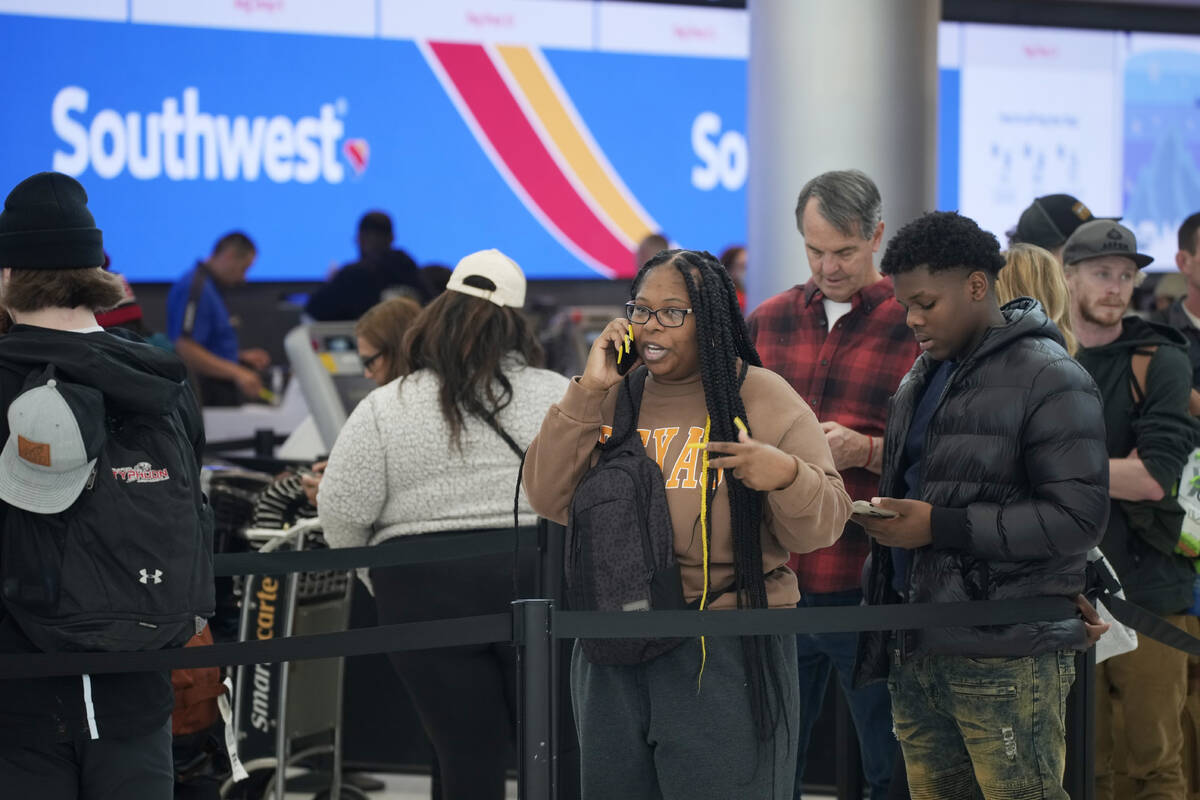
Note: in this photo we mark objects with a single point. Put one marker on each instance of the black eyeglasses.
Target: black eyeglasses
(667, 317)
(369, 360)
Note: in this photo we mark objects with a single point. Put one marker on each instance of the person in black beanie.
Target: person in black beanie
(94, 736)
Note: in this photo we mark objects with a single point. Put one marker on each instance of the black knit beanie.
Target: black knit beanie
(46, 225)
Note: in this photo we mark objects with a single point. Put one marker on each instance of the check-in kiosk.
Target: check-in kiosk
(325, 364)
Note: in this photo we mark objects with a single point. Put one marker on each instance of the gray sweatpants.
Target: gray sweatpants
(646, 732)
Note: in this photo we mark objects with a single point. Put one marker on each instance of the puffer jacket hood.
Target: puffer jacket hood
(1014, 464)
(1025, 317)
(133, 376)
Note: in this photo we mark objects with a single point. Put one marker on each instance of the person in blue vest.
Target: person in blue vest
(204, 334)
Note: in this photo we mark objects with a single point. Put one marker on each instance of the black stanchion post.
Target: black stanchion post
(531, 632)
(1080, 778)
(849, 759)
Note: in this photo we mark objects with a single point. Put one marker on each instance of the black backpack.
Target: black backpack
(128, 566)
(620, 544)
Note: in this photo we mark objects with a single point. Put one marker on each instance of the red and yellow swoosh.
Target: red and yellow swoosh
(526, 124)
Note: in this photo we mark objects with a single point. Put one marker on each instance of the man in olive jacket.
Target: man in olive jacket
(1150, 435)
(994, 461)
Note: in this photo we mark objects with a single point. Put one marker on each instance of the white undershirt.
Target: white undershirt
(834, 311)
(1191, 317)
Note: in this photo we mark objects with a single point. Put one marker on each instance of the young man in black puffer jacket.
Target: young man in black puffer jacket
(994, 460)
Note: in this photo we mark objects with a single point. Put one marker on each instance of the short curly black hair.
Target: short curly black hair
(942, 240)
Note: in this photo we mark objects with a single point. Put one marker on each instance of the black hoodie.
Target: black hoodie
(1164, 435)
(141, 378)
(358, 286)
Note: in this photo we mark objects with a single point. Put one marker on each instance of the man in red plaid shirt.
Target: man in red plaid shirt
(841, 341)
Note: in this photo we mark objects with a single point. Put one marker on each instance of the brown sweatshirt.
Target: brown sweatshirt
(806, 515)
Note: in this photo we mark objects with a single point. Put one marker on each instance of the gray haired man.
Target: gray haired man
(841, 341)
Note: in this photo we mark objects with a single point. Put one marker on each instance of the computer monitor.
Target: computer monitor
(325, 361)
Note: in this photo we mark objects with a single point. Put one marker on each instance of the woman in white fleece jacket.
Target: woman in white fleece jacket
(437, 450)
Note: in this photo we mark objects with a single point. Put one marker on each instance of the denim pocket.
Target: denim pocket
(999, 691)
(1007, 661)
(1066, 677)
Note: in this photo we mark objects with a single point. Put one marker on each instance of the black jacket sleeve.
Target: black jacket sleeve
(1163, 430)
(1063, 449)
(351, 292)
(193, 422)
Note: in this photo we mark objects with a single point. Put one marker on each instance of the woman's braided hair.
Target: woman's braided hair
(722, 339)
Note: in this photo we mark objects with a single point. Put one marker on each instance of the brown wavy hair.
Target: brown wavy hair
(384, 325)
(464, 340)
(1032, 271)
(28, 290)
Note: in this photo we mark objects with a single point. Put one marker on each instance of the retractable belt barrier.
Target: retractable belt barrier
(380, 639)
(496, 628)
(412, 550)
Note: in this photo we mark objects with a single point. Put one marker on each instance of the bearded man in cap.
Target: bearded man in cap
(93, 736)
(1143, 373)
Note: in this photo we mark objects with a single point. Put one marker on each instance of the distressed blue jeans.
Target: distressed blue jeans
(991, 728)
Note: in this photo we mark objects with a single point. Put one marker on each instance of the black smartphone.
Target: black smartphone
(626, 354)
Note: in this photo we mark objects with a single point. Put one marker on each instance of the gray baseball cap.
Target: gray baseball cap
(1103, 237)
(56, 430)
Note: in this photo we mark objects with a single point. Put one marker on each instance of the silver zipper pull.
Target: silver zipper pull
(91, 480)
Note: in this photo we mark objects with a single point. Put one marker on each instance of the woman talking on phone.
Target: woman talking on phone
(718, 719)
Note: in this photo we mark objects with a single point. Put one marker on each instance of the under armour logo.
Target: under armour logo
(147, 577)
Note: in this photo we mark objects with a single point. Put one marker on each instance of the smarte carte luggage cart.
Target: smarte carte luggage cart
(287, 712)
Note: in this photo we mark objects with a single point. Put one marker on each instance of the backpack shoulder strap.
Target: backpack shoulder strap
(629, 402)
(495, 425)
(195, 292)
(1139, 362)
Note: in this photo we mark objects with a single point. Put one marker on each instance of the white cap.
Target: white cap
(55, 435)
(493, 266)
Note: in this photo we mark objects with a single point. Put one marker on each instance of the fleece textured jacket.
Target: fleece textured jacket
(1163, 434)
(142, 378)
(807, 514)
(1015, 468)
(394, 470)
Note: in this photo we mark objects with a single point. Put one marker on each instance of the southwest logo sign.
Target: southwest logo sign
(512, 102)
(182, 141)
(358, 153)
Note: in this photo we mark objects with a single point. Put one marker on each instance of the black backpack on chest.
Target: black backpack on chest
(620, 543)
